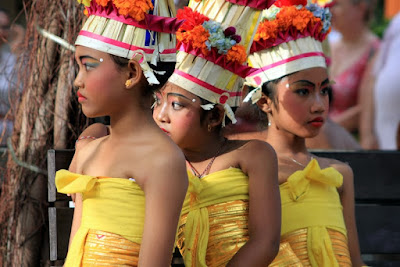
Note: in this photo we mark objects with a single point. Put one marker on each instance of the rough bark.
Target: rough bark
(46, 114)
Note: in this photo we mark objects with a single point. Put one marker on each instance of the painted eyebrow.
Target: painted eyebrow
(89, 57)
(326, 81)
(178, 95)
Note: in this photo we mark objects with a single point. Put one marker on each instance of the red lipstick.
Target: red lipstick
(165, 131)
(80, 97)
(317, 122)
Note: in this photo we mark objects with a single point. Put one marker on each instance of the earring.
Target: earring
(128, 83)
(209, 128)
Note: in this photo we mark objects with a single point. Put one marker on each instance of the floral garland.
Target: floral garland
(207, 35)
(293, 16)
(135, 9)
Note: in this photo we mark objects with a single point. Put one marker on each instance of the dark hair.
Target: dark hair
(167, 67)
(5, 11)
(269, 88)
(371, 5)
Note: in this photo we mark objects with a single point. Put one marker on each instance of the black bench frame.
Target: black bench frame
(377, 198)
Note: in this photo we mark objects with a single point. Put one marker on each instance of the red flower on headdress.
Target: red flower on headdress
(281, 3)
(192, 19)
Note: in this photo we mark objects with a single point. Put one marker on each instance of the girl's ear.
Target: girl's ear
(214, 117)
(264, 104)
(135, 75)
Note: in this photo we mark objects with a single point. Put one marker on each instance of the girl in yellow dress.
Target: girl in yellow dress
(130, 184)
(293, 89)
(231, 213)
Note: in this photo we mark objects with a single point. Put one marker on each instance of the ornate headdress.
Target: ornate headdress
(213, 43)
(128, 28)
(287, 40)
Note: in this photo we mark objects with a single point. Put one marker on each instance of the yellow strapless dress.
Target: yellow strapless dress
(313, 226)
(112, 220)
(214, 219)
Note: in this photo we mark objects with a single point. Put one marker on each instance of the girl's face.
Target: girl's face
(99, 82)
(301, 103)
(345, 13)
(178, 113)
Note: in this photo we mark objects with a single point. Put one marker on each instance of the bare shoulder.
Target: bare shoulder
(167, 167)
(258, 147)
(342, 167)
(92, 132)
(167, 154)
(256, 154)
(96, 129)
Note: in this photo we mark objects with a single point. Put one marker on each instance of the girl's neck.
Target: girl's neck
(205, 149)
(135, 121)
(285, 142)
(357, 35)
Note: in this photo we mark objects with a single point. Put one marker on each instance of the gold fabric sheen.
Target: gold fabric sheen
(113, 205)
(107, 249)
(313, 226)
(214, 219)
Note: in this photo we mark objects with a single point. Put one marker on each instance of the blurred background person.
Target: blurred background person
(7, 62)
(11, 37)
(380, 119)
(351, 55)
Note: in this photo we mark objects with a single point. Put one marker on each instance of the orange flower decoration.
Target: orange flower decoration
(237, 53)
(102, 2)
(302, 18)
(198, 37)
(266, 30)
(287, 18)
(135, 9)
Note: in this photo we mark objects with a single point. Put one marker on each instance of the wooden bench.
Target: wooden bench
(377, 197)
(60, 213)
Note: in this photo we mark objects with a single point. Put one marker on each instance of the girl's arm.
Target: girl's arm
(368, 138)
(260, 164)
(165, 189)
(347, 199)
(95, 130)
(92, 132)
(76, 221)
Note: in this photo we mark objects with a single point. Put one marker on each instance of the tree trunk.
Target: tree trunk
(41, 122)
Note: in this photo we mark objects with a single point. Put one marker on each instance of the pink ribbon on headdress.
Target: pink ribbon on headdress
(206, 85)
(257, 4)
(217, 59)
(122, 44)
(275, 64)
(151, 22)
(290, 35)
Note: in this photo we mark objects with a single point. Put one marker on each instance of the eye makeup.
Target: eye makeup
(180, 96)
(307, 84)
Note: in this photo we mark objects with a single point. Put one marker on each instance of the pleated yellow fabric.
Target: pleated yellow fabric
(114, 205)
(312, 218)
(214, 219)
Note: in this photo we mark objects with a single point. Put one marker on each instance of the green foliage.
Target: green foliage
(379, 22)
